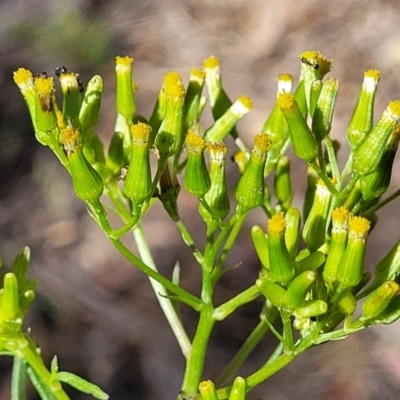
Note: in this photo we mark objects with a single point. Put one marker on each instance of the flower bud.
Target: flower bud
(137, 185)
(72, 97)
(316, 88)
(238, 391)
(375, 184)
(169, 136)
(297, 291)
(282, 268)
(125, 97)
(388, 269)
(219, 100)
(226, 122)
(274, 292)
(311, 308)
(337, 245)
(197, 179)
(23, 78)
(208, 391)
(369, 153)
(260, 241)
(276, 126)
(45, 118)
(312, 180)
(304, 144)
(20, 265)
(217, 197)
(322, 116)
(87, 183)
(193, 99)
(361, 121)
(249, 192)
(347, 302)
(9, 308)
(314, 66)
(292, 231)
(91, 103)
(169, 190)
(377, 302)
(315, 225)
(282, 185)
(241, 160)
(115, 157)
(350, 269)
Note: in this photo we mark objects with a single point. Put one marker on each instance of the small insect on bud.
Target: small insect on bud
(249, 192)
(314, 66)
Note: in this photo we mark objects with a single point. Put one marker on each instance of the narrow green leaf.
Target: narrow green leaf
(81, 384)
(43, 390)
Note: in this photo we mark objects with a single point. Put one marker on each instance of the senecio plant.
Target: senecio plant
(312, 275)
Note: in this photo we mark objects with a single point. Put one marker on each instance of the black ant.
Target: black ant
(305, 61)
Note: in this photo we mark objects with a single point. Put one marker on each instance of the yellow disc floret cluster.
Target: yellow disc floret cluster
(277, 224)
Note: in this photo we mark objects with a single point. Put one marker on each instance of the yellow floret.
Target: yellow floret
(359, 227)
(246, 101)
(140, 132)
(195, 143)
(71, 139)
(125, 60)
(277, 224)
(197, 74)
(262, 143)
(211, 62)
(23, 78)
(173, 85)
(394, 107)
(372, 73)
(286, 101)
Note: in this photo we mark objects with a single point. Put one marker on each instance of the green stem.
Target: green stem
(195, 361)
(226, 309)
(32, 357)
(187, 238)
(322, 175)
(381, 204)
(161, 293)
(183, 295)
(248, 346)
(230, 241)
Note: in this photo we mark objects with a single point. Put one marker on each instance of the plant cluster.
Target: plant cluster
(312, 268)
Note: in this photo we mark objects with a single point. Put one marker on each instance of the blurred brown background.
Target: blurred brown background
(94, 310)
